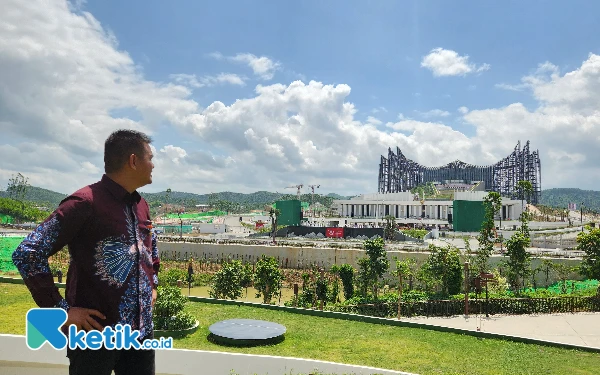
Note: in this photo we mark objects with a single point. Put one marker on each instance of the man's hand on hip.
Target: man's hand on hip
(83, 318)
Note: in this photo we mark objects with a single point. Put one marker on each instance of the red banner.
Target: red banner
(334, 232)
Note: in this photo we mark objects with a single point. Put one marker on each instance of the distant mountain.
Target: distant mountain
(561, 197)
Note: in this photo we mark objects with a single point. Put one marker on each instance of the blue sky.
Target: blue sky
(388, 53)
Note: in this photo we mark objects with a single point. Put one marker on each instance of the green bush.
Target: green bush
(168, 311)
(172, 275)
(228, 281)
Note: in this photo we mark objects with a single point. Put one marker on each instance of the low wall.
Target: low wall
(16, 358)
(303, 257)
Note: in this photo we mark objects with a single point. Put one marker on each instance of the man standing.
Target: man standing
(112, 276)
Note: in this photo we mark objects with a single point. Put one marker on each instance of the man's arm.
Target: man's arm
(31, 256)
(155, 260)
(155, 266)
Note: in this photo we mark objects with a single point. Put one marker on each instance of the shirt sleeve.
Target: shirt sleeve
(31, 256)
(155, 260)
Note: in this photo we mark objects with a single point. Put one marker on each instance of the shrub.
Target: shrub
(172, 275)
(168, 311)
(227, 282)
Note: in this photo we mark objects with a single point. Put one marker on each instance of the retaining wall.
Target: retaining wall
(301, 257)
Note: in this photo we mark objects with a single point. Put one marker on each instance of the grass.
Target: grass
(398, 348)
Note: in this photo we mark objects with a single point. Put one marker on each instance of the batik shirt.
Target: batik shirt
(114, 258)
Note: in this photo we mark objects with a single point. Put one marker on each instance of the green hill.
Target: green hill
(558, 197)
(561, 197)
(41, 197)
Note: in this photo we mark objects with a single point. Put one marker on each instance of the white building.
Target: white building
(407, 208)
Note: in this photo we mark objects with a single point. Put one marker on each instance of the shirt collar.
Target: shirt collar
(119, 192)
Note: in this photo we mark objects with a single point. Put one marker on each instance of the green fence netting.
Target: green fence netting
(7, 246)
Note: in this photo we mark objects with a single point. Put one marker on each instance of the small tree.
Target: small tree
(563, 271)
(525, 189)
(17, 187)
(267, 278)
(444, 265)
(346, 273)
(589, 243)
(373, 266)
(274, 214)
(390, 227)
(487, 233)
(227, 282)
(518, 263)
(519, 260)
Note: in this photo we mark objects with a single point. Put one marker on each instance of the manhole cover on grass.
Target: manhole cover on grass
(246, 332)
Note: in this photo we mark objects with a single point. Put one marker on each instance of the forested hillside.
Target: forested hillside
(561, 197)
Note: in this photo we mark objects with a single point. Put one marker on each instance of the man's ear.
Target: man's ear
(132, 161)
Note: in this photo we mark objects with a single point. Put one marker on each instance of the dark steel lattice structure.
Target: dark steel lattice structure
(397, 173)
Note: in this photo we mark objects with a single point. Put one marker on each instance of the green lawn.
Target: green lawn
(399, 348)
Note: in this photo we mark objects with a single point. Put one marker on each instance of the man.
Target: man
(113, 273)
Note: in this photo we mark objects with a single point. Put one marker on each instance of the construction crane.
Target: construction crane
(312, 196)
(297, 187)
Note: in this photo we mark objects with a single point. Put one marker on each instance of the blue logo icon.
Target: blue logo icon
(43, 325)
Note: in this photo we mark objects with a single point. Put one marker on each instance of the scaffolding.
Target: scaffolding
(398, 173)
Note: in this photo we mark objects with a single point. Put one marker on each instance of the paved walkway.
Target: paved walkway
(582, 329)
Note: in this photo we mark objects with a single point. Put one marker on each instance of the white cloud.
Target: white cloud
(378, 110)
(62, 78)
(262, 66)
(374, 121)
(433, 113)
(207, 81)
(445, 62)
(505, 86)
(463, 110)
(173, 153)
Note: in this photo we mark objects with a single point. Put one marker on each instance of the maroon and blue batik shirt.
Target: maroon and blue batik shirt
(114, 258)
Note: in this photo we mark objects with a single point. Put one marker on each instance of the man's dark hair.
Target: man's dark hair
(119, 145)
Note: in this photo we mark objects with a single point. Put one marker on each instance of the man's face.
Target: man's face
(144, 166)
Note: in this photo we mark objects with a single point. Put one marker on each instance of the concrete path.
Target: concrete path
(582, 329)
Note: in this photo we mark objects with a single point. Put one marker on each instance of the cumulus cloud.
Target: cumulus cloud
(207, 81)
(445, 62)
(262, 66)
(463, 110)
(433, 113)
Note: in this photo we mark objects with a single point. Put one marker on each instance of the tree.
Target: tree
(227, 282)
(346, 273)
(487, 233)
(373, 266)
(519, 260)
(17, 187)
(589, 243)
(267, 278)
(444, 265)
(390, 227)
(525, 190)
(518, 263)
(409, 269)
(274, 214)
